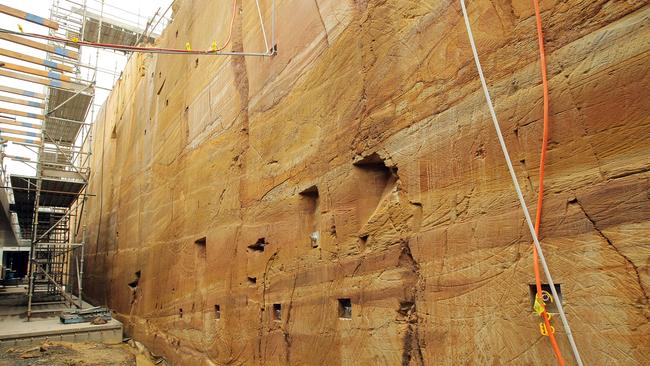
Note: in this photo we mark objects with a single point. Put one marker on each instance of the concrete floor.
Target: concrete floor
(15, 330)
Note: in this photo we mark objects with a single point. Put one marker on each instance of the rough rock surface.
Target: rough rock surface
(369, 128)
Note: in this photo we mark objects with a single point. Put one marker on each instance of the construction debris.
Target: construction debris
(54, 353)
(96, 315)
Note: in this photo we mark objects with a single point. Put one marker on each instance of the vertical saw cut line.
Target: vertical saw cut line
(515, 182)
(540, 193)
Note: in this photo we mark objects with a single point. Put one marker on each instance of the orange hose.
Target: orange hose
(540, 194)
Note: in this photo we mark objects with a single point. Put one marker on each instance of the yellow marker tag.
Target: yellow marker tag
(538, 306)
(75, 39)
(542, 329)
(214, 46)
(20, 28)
(188, 46)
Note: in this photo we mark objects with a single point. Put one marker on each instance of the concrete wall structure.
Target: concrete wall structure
(369, 127)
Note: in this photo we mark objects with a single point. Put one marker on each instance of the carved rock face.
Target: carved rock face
(377, 104)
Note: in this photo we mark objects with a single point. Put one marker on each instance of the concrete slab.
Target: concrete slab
(15, 330)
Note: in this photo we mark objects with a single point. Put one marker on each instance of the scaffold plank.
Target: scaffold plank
(40, 46)
(35, 60)
(42, 81)
(4, 9)
(29, 70)
(20, 140)
(29, 103)
(24, 93)
(13, 122)
(4, 130)
(22, 113)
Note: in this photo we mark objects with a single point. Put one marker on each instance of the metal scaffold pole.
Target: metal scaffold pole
(49, 205)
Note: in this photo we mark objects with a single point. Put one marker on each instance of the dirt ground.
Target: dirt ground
(69, 354)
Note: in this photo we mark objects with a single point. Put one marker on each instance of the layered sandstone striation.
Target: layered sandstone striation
(241, 202)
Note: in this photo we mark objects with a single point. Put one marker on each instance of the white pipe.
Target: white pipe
(520, 195)
(259, 12)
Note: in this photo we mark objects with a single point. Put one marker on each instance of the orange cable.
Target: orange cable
(540, 194)
(232, 22)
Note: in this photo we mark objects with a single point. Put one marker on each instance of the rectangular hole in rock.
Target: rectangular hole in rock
(201, 241)
(180, 313)
(217, 311)
(277, 312)
(547, 295)
(345, 308)
(252, 280)
(259, 245)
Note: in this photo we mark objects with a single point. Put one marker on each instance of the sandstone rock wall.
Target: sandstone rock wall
(369, 132)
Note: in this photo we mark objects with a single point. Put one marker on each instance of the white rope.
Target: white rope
(259, 12)
(522, 202)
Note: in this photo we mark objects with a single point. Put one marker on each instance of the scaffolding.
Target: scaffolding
(49, 206)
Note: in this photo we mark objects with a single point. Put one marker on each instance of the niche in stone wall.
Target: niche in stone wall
(310, 204)
(375, 181)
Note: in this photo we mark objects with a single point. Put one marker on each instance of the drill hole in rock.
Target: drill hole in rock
(217, 311)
